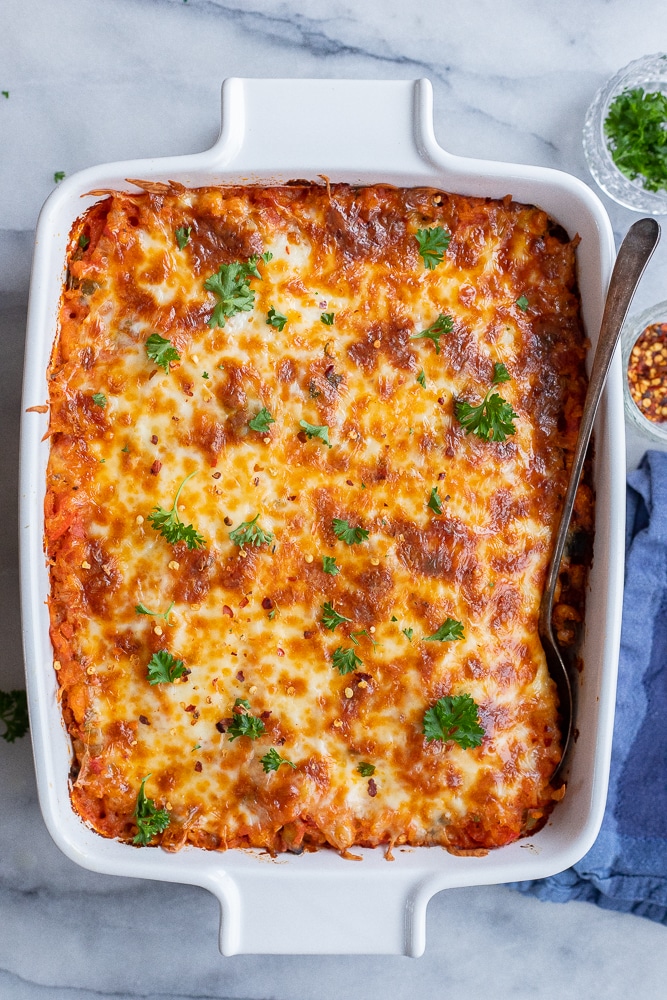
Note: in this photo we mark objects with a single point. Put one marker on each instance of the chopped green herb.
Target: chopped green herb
(204, 375)
(408, 633)
(231, 285)
(421, 378)
(141, 609)
(271, 615)
(329, 565)
(84, 241)
(434, 501)
(522, 303)
(126, 449)
(170, 526)
(272, 760)
(491, 419)
(454, 718)
(393, 618)
(327, 318)
(365, 769)
(500, 373)
(99, 399)
(14, 714)
(163, 668)
(267, 256)
(432, 245)
(449, 631)
(331, 618)
(443, 324)
(351, 536)
(353, 637)
(183, 236)
(243, 723)
(5, 93)
(345, 660)
(261, 421)
(161, 351)
(149, 819)
(250, 533)
(314, 431)
(276, 319)
(637, 137)
(59, 176)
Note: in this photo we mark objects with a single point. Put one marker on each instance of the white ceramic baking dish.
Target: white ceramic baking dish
(359, 132)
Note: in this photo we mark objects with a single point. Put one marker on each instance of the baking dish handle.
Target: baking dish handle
(311, 125)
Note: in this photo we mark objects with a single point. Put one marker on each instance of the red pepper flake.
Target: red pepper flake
(190, 708)
(198, 766)
(220, 726)
(244, 602)
(280, 652)
(240, 676)
(267, 603)
(372, 788)
(441, 401)
(292, 498)
(441, 476)
(265, 715)
(187, 389)
(143, 720)
(348, 482)
(308, 634)
(216, 475)
(226, 610)
(155, 467)
(153, 438)
(255, 481)
(228, 521)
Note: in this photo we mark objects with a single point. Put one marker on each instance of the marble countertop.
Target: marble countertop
(90, 82)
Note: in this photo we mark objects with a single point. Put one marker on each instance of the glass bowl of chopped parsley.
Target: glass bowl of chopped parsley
(625, 136)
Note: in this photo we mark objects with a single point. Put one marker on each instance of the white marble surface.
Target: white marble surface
(93, 81)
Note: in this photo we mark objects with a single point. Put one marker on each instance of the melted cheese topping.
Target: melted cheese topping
(247, 622)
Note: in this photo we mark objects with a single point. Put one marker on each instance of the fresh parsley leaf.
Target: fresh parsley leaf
(522, 303)
(272, 760)
(637, 140)
(261, 421)
(231, 285)
(250, 533)
(170, 526)
(99, 399)
(314, 431)
(443, 324)
(408, 633)
(5, 93)
(14, 714)
(421, 378)
(182, 235)
(353, 637)
(59, 176)
(329, 565)
(149, 819)
(205, 375)
(163, 668)
(449, 631)
(331, 618)
(454, 718)
(84, 241)
(434, 501)
(348, 534)
(243, 702)
(432, 245)
(276, 319)
(245, 724)
(500, 373)
(365, 769)
(141, 609)
(267, 256)
(161, 351)
(345, 660)
(327, 319)
(492, 419)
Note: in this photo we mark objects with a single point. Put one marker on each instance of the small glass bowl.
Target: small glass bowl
(633, 329)
(649, 72)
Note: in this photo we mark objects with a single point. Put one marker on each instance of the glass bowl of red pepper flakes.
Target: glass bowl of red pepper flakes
(645, 367)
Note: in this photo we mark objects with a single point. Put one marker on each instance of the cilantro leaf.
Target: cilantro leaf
(421, 378)
(231, 286)
(99, 399)
(345, 660)
(348, 534)
(329, 565)
(245, 724)
(261, 421)
(272, 760)
(454, 718)
(182, 235)
(449, 631)
(408, 633)
(434, 501)
(141, 609)
(637, 140)
(163, 668)
(331, 618)
(492, 419)
(276, 319)
(250, 533)
(149, 819)
(327, 318)
(365, 769)
(443, 324)
(522, 303)
(313, 430)
(14, 714)
(161, 351)
(432, 245)
(170, 526)
(500, 373)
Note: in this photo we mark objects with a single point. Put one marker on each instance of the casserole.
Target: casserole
(317, 903)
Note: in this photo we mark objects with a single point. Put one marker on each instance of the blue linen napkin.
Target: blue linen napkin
(626, 869)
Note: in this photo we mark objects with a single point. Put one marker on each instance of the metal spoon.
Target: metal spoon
(633, 256)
